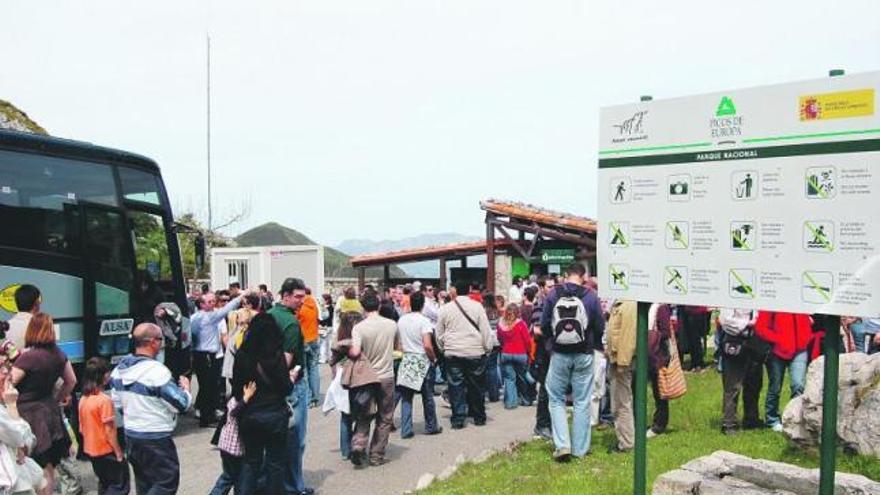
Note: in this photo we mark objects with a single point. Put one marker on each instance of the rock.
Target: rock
(776, 475)
(728, 473)
(425, 481)
(793, 425)
(712, 464)
(447, 473)
(677, 482)
(483, 456)
(725, 487)
(460, 459)
(858, 425)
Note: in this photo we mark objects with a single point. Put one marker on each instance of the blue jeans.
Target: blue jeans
(312, 374)
(296, 438)
(406, 415)
(862, 339)
(155, 464)
(514, 369)
(466, 377)
(575, 370)
(346, 430)
(797, 368)
(231, 475)
(493, 376)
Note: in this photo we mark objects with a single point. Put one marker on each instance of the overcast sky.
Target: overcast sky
(384, 119)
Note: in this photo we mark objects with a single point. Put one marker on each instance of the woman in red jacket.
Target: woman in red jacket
(789, 334)
(513, 334)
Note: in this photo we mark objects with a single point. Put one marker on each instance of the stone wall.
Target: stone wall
(335, 285)
(726, 473)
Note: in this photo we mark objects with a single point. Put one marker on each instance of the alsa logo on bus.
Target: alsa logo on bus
(7, 298)
(726, 124)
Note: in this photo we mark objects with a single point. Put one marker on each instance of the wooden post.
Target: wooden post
(442, 274)
(490, 255)
(386, 275)
(362, 278)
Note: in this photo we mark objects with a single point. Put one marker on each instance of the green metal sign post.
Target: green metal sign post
(828, 462)
(640, 402)
(829, 409)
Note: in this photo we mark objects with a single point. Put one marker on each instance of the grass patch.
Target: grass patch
(694, 431)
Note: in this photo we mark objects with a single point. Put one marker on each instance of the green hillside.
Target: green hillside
(336, 264)
(13, 118)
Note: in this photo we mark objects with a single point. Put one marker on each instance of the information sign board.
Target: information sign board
(764, 198)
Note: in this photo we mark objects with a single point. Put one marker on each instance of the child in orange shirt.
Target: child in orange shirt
(97, 423)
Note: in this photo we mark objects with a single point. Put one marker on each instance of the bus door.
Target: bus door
(108, 263)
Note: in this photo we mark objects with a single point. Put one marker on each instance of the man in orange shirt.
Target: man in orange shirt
(308, 316)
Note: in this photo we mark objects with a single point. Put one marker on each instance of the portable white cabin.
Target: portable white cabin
(270, 265)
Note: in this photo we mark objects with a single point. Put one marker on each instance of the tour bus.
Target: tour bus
(91, 227)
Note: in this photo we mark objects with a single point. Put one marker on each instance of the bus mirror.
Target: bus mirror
(200, 252)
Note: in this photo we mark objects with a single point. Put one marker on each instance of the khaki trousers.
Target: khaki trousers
(383, 419)
(622, 405)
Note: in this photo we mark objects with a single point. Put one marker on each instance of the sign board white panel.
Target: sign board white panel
(764, 198)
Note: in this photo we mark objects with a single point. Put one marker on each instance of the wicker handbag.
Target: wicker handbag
(670, 378)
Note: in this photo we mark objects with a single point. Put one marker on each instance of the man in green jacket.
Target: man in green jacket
(620, 349)
(293, 293)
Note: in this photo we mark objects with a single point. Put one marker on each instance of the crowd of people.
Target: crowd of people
(552, 343)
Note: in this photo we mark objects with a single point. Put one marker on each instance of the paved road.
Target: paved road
(329, 474)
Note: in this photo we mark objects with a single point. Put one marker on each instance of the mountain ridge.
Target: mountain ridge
(426, 269)
(336, 263)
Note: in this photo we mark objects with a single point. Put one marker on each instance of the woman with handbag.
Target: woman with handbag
(661, 346)
(338, 357)
(263, 422)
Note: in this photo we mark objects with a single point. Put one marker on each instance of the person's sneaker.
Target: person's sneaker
(615, 449)
(651, 433)
(307, 491)
(753, 425)
(777, 428)
(378, 461)
(407, 437)
(562, 455)
(545, 433)
(457, 426)
(358, 457)
(480, 422)
(438, 431)
(729, 431)
(603, 426)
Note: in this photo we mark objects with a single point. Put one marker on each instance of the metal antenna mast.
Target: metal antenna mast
(210, 218)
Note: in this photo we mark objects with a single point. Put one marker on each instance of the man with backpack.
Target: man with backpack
(572, 320)
(743, 368)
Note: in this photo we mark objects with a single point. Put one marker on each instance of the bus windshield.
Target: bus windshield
(38, 198)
